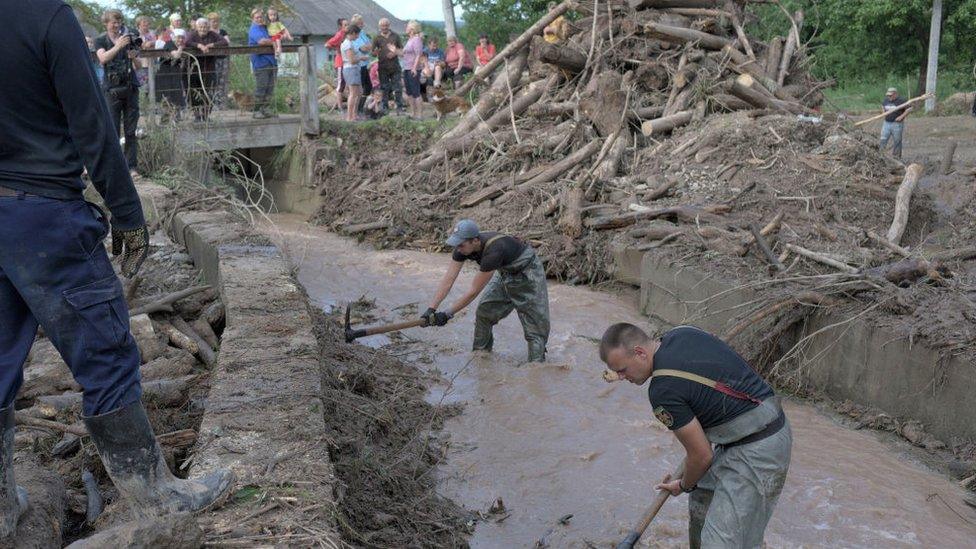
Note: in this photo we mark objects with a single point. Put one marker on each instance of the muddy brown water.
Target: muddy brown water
(554, 439)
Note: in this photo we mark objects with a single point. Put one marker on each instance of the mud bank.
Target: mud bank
(552, 440)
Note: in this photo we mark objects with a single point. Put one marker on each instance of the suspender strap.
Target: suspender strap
(491, 241)
(717, 385)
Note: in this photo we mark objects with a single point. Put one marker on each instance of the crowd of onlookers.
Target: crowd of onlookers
(188, 75)
(374, 73)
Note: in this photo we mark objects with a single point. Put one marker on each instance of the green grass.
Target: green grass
(399, 127)
(867, 95)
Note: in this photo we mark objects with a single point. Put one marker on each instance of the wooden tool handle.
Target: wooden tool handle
(394, 327)
(631, 540)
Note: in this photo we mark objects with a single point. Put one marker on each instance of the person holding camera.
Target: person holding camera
(115, 49)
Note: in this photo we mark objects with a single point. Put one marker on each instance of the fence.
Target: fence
(218, 86)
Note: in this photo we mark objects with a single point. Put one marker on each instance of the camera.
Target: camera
(135, 41)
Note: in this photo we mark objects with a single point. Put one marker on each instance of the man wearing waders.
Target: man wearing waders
(737, 439)
(515, 280)
(54, 270)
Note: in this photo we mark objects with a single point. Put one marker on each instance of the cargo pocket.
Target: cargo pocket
(94, 230)
(101, 307)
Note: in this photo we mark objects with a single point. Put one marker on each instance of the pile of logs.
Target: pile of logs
(645, 68)
(177, 337)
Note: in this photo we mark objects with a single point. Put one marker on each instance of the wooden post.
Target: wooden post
(308, 90)
(152, 91)
(932, 73)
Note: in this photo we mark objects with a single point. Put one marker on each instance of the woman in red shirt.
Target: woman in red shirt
(484, 51)
(333, 44)
(458, 60)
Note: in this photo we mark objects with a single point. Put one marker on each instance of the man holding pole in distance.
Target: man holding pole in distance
(515, 280)
(737, 439)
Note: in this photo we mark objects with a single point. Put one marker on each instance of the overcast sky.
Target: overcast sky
(424, 10)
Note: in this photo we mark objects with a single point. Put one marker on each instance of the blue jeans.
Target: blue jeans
(54, 271)
(893, 131)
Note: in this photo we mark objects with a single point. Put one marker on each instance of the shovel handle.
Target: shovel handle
(631, 540)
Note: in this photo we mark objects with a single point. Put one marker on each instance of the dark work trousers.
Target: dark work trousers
(367, 83)
(125, 113)
(264, 86)
(54, 271)
(392, 85)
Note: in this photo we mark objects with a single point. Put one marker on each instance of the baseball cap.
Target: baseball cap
(464, 230)
(891, 90)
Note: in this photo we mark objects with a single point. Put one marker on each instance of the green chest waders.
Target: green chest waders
(518, 286)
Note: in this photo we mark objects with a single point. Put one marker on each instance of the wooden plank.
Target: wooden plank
(308, 90)
(218, 52)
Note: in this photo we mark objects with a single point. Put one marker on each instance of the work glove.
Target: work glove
(429, 315)
(441, 318)
(133, 246)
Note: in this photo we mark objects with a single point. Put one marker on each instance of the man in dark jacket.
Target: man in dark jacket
(54, 270)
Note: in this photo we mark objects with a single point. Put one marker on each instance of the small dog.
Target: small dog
(446, 105)
(244, 101)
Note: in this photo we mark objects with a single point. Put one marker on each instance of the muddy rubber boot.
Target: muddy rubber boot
(537, 351)
(13, 498)
(134, 460)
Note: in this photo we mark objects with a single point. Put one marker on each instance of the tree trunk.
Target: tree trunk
(576, 158)
(680, 35)
(750, 91)
(902, 202)
(571, 222)
(773, 55)
(561, 55)
(932, 65)
(666, 124)
(176, 364)
(792, 46)
(450, 26)
(688, 214)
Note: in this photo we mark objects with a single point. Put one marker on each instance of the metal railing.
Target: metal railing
(218, 86)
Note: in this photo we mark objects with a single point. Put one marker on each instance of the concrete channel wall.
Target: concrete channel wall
(866, 364)
(263, 417)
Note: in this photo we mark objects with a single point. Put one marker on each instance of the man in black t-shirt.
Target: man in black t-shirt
(515, 280)
(893, 128)
(707, 394)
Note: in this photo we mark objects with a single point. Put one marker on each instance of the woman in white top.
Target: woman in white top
(350, 71)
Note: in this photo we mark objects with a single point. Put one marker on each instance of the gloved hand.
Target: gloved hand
(133, 246)
(429, 315)
(441, 318)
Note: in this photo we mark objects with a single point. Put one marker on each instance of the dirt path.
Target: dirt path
(553, 439)
(927, 136)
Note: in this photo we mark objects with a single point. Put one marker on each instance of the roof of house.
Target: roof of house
(318, 17)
